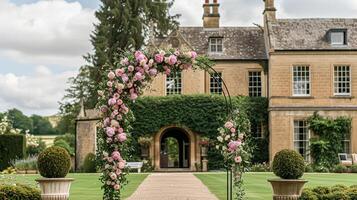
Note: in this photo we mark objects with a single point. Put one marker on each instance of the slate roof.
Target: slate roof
(239, 43)
(310, 34)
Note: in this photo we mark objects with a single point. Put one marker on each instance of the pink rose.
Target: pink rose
(116, 187)
(193, 54)
(233, 145)
(139, 56)
(110, 131)
(121, 165)
(104, 109)
(114, 123)
(116, 155)
(107, 121)
(159, 58)
(133, 96)
(124, 61)
(172, 60)
(167, 72)
(112, 101)
(153, 72)
(131, 68)
(121, 130)
(238, 159)
(125, 78)
(119, 72)
(138, 76)
(118, 172)
(119, 101)
(228, 125)
(122, 137)
(111, 75)
(110, 84)
(233, 130)
(113, 176)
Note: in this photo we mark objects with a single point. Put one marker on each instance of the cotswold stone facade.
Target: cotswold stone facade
(300, 65)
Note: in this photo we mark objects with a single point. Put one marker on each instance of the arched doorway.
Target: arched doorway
(174, 149)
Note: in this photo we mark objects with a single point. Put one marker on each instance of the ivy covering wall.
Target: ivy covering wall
(202, 114)
(328, 141)
(12, 147)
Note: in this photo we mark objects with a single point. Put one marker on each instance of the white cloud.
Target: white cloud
(37, 93)
(45, 32)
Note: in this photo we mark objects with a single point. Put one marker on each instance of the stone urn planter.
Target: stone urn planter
(204, 150)
(289, 166)
(54, 164)
(55, 188)
(287, 189)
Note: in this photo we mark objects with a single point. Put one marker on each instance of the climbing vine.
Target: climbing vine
(125, 82)
(328, 142)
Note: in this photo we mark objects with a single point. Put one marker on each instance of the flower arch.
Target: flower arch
(125, 82)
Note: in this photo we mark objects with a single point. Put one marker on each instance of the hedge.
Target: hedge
(12, 147)
(19, 192)
(202, 114)
(337, 192)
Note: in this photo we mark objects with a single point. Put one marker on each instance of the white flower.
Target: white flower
(219, 138)
(227, 137)
(217, 146)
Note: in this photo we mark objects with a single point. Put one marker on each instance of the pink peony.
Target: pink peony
(172, 60)
(112, 101)
(122, 137)
(233, 145)
(119, 72)
(193, 54)
(116, 187)
(111, 75)
(238, 159)
(110, 131)
(159, 58)
(153, 72)
(133, 96)
(116, 155)
(228, 125)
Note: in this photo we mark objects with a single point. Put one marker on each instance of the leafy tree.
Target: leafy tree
(123, 25)
(41, 126)
(19, 120)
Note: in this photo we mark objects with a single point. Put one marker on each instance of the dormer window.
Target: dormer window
(338, 37)
(216, 45)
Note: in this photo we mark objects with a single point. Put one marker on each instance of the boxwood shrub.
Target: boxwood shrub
(54, 162)
(19, 192)
(337, 192)
(288, 164)
(89, 164)
(12, 147)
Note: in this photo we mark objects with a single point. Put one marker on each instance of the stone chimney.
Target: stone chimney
(211, 14)
(269, 11)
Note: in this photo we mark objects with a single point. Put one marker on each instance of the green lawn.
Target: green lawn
(85, 186)
(257, 187)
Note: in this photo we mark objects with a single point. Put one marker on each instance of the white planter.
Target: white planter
(55, 188)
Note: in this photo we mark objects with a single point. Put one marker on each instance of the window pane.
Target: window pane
(301, 80)
(342, 82)
(255, 84)
(216, 83)
(338, 38)
(302, 138)
(173, 83)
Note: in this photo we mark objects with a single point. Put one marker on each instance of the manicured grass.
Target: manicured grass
(85, 186)
(257, 187)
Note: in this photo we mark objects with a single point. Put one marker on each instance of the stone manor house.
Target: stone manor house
(300, 65)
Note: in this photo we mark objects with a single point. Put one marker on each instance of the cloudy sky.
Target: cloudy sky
(42, 41)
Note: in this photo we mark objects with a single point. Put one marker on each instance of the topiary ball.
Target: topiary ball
(288, 164)
(54, 162)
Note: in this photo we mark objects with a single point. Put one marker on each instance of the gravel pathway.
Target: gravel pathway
(172, 186)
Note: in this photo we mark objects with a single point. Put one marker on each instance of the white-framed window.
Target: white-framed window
(174, 83)
(216, 83)
(302, 138)
(255, 84)
(338, 37)
(216, 45)
(346, 144)
(301, 80)
(342, 80)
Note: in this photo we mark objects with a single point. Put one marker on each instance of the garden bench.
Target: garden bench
(135, 165)
(344, 160)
